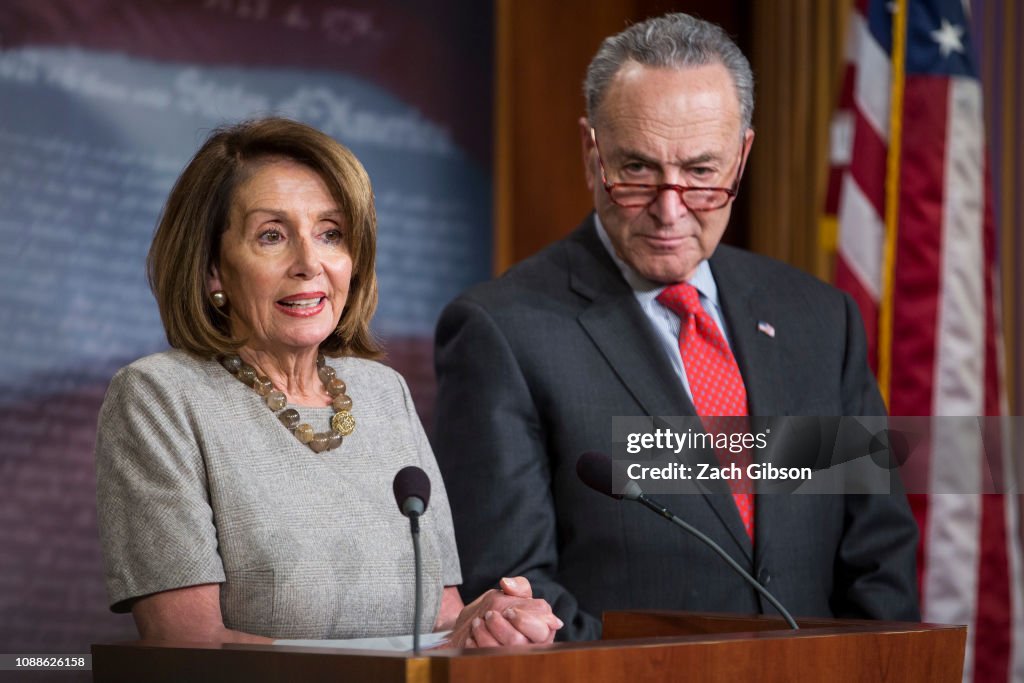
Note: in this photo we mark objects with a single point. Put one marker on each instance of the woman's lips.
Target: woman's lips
(302, 305)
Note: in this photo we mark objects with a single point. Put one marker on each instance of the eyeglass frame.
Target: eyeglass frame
(730, 192)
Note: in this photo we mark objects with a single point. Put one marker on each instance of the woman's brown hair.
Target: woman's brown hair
(187, 240)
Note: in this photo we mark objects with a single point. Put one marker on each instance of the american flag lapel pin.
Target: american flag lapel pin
(766, 328)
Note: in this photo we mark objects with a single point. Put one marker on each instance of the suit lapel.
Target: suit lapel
(614, 322)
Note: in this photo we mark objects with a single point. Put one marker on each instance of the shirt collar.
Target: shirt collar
(643, 288)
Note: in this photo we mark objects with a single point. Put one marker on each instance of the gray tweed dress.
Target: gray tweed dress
(198, 482)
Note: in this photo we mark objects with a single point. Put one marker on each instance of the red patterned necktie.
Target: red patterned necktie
(715, 383)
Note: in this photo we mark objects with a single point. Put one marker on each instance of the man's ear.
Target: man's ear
(748, 141)
(587, 146)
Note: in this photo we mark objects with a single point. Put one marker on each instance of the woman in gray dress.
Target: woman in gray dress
(244, 477)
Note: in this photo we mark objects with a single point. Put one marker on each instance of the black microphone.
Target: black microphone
(412, 493)
(595, 470)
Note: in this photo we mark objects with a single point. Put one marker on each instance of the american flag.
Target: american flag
(916, 248)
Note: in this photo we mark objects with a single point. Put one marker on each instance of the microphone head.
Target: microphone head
(412, 490)
(595, 470)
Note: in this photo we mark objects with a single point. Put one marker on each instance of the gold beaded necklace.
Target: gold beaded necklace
(342, 422)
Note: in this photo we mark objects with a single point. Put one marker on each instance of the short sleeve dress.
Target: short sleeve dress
(198, 482)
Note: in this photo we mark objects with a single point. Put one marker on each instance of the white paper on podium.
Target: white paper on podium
(386, 643)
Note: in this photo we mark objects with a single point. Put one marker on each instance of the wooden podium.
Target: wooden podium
(637, 646)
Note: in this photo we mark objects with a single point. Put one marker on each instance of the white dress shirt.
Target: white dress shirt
(665, 321)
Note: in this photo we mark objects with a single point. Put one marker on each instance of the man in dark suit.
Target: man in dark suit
(641, 312)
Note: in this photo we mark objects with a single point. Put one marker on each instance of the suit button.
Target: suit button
(764, 578)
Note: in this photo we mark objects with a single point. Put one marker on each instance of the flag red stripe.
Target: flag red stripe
(917, 270)
(993, 630)
(919, 506)
(992, 367)
(868, 163)
(993, 620)
(832, 191)
(846, 88)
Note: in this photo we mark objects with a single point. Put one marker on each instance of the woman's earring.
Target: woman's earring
(219, 298)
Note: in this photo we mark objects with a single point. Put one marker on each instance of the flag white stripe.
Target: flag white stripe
(960, 332)
(959, 383)
(871, 85)
(841, 133)
(950, 582)
(860, 240)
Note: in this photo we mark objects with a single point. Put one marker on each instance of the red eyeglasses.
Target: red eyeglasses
(633, 195)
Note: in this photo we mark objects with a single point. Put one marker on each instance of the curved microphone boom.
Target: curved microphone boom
(412, 494)
(595, 470)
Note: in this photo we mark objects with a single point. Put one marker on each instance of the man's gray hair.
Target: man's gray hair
(674, 41)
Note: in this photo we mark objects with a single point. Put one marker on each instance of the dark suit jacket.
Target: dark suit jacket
(532, 367)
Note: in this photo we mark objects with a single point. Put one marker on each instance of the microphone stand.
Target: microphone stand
(414, 528)
(412, 493)
(667, 514)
